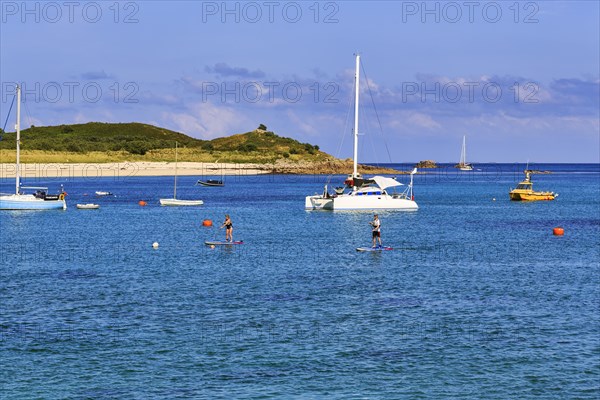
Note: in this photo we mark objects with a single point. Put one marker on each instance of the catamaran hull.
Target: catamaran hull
(359, 203)
(29, 202)
(318, 203)
(373, 203)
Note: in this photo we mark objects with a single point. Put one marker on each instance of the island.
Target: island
(136, 149)
(426, 164)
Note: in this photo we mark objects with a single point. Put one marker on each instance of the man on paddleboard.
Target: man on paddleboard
(376, 225)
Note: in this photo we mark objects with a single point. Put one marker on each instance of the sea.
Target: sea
(477, 300)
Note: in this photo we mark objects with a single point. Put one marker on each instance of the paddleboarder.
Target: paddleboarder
(228, 229)
(376, 229)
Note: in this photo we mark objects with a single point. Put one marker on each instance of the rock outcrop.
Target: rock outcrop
(426, 164)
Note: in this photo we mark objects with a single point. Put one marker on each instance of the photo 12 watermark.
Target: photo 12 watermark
(67, 172)
(72, 92)
(53, 12)
(270, 92)
(469, 92)
(452, 12)
(253, 12)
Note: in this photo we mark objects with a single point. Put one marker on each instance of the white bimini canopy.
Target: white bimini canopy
(385, 183)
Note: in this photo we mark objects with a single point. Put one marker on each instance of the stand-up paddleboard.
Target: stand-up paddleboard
(219, 243)
(385, 248)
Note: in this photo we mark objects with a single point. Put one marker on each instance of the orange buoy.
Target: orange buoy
(207, 222)
(142, 203)
(558, 231)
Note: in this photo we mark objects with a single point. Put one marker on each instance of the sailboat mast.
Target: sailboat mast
(175, 185)
(464, 150)
(18, 128)
(357, 83)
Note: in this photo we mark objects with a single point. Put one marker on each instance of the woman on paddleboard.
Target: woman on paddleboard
(228, 229)
(376, 225)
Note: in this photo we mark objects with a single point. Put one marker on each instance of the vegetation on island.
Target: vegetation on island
(114, 142)
(426, 164)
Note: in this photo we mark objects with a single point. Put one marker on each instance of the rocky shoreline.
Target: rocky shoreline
(329, 167)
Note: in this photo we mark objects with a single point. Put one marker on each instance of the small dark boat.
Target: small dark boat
(210, 182)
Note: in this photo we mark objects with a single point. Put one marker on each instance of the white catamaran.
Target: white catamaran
(363, 193)
(175, 201)
(40, 200)
(463, 165)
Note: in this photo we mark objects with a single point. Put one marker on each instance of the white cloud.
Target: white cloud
(302, 124)
(423, 121)
(207, 121)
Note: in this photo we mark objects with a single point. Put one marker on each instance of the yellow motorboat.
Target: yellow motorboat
(524, 191)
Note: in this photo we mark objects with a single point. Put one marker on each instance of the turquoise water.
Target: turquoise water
(478, 299)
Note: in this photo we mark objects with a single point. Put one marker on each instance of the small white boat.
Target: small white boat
(88, 206)
(179, 202)
(102, 193)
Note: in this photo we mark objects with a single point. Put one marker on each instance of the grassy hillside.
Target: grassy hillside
(95, 136)
(107, 142)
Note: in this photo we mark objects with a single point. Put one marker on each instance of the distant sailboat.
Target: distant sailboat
(175, 201)
(463, 165)
(41, 200)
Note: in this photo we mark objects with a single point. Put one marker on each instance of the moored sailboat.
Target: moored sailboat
(40, 200)
(175, 201)
(361, 193)
(463, 165)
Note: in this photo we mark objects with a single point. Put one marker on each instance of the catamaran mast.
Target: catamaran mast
(18, 128)
(357, 83)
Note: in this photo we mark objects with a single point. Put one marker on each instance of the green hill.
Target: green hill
(138, 141)
(95, 136)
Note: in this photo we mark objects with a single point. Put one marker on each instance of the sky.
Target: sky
(520, 79)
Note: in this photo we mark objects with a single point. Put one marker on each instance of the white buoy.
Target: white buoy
(494, 199)
(155, 245)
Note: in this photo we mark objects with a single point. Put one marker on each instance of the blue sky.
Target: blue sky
(521, 80)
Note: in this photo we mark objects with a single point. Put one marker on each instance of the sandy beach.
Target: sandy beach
(200, 169)
(131, 169)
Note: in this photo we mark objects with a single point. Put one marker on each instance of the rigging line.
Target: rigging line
(372, 142)
(8, 115)
(376, 113)
(28, 114)
(367, 117)
(339, 150)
